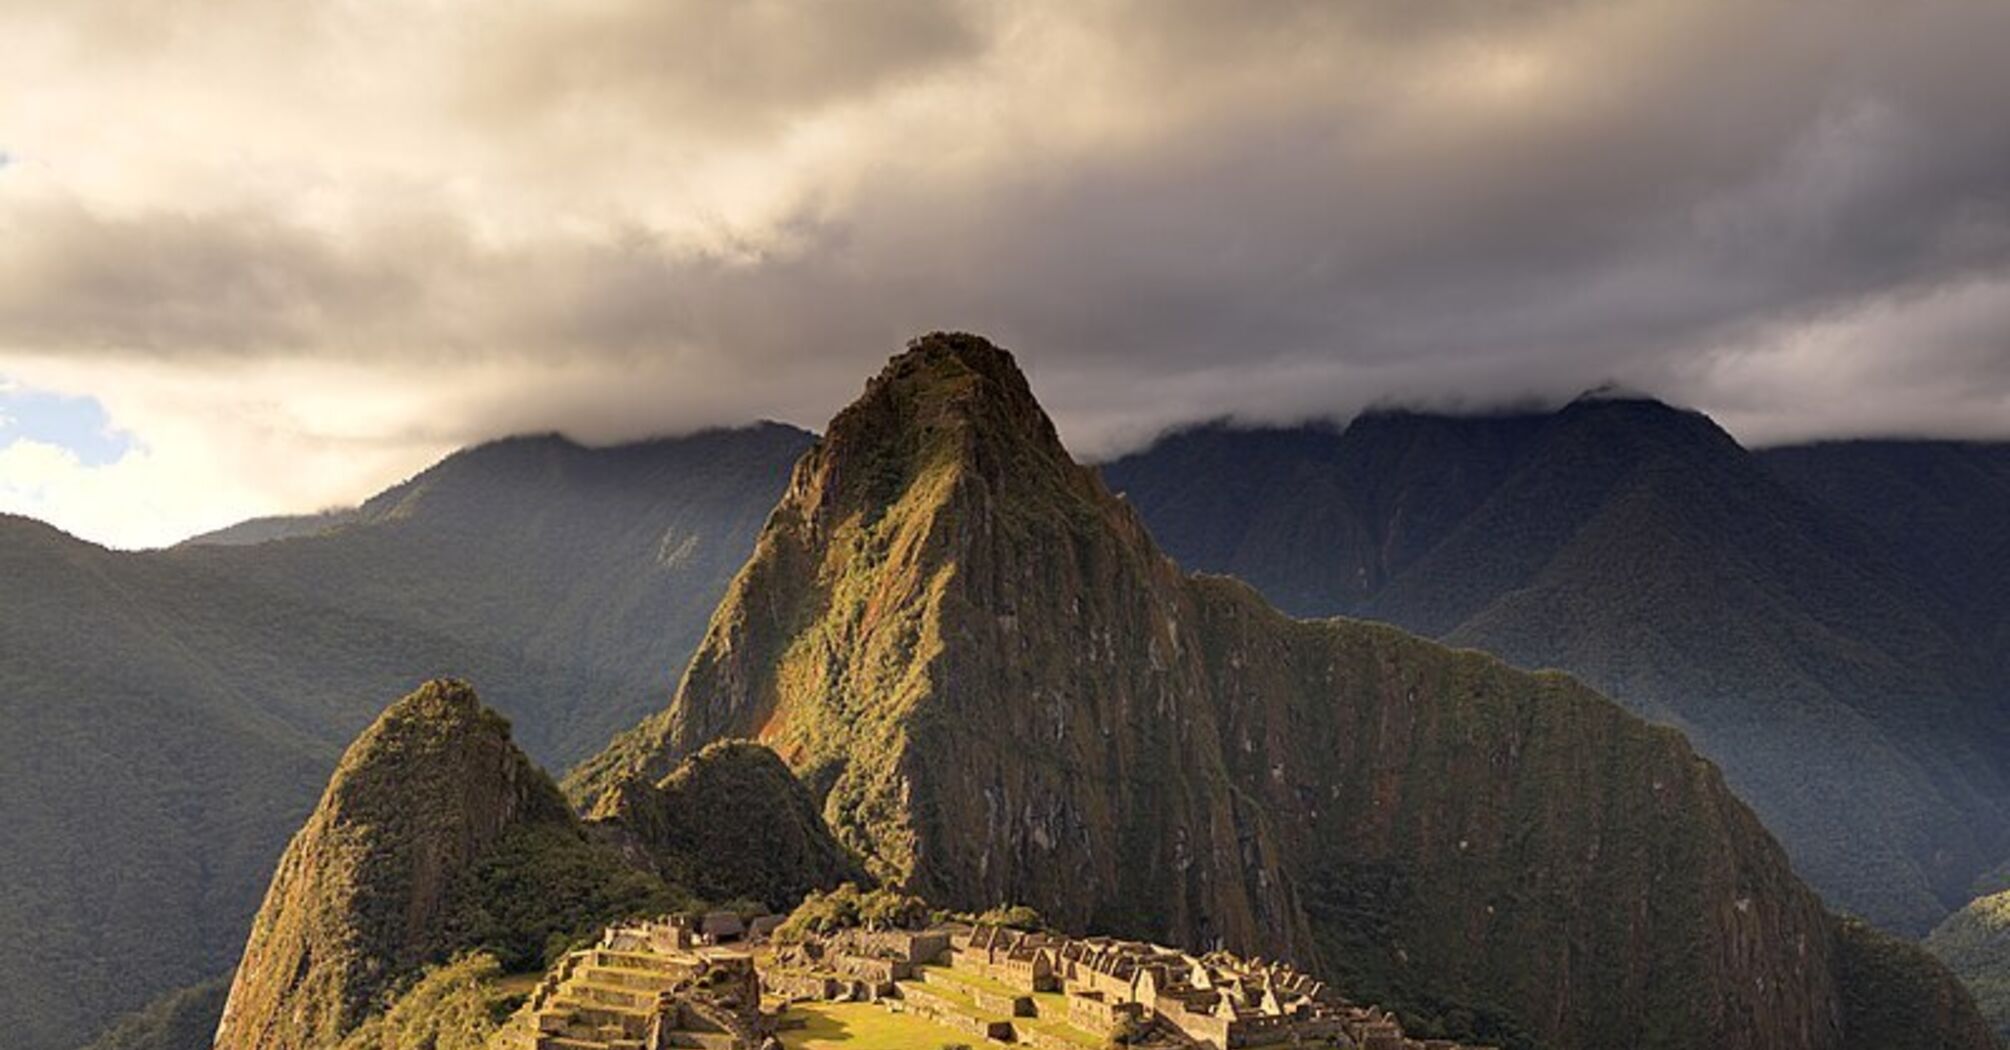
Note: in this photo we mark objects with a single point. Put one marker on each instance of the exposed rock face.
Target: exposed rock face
(731, 823)
(361, 896)
(1003, 691)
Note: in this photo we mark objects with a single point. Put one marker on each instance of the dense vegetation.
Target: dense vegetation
(1892, 995)
(189, 704)
(1003, 691)
(849, 908)
(457, 1006)
(436, 836)
(1975, 943)
(1798, 631)
(184, 1019)
(1938, 506)
(729, 824)
(439, 849)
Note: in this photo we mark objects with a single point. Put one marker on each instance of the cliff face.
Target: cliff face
(379, 880)
(1003, 691)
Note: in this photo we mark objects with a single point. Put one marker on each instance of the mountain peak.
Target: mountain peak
(997, 688)
(948, 382)
(364, 890)
(950, 418)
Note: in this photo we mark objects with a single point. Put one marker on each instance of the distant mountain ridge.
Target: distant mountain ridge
(188, 703)
(1001, 690)
(1734, 595)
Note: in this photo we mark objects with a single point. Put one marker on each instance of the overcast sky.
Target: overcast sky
(261, 257)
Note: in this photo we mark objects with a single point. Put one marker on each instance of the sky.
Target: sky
(261, 258)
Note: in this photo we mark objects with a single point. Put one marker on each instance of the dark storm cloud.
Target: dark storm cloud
(1171, 210)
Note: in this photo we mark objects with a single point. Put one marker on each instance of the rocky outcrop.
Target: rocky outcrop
(731, 823)
(384, 877)
(1001, 690)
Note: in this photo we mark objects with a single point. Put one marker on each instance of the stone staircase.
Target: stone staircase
(602, 999)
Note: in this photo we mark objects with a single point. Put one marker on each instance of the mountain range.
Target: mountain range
(1823, 622)
(171, 715)
(1002, 690)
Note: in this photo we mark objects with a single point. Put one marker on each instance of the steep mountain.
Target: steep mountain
(1939, 507)
(165, 730)
(1001, 690)
(600, 564)
(441, 857)
(432, 816)
(1975, 943)
(1894, 991)
(188, 704)
(1319, 519)
(1640, 548)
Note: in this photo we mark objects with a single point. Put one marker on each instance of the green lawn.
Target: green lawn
(866, 1026)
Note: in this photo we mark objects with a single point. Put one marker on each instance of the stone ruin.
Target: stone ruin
(675, 983)
(1045, 990)
(651, 985)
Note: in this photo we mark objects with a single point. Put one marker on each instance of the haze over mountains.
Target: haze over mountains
(172, 715)
(1828, 634)
(1838, 651)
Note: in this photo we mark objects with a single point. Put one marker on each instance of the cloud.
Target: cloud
(620, 218)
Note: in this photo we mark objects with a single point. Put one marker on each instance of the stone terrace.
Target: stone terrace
(647, 986)
(1060, 993)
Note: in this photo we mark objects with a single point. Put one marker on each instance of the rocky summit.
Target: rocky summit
(366, 891)
(1000, 689)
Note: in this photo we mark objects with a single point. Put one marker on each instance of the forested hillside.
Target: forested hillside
(1852, 697)
(172, 714)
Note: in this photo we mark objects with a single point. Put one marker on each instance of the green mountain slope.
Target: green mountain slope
(184, 1019)
(1975, 943)
(1003, 691)
(165, 731)
(435, 835)
(1939, 507)
(1640, 548)
(601, 564)
(188, 704)
(729, 824)
(440, 856)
